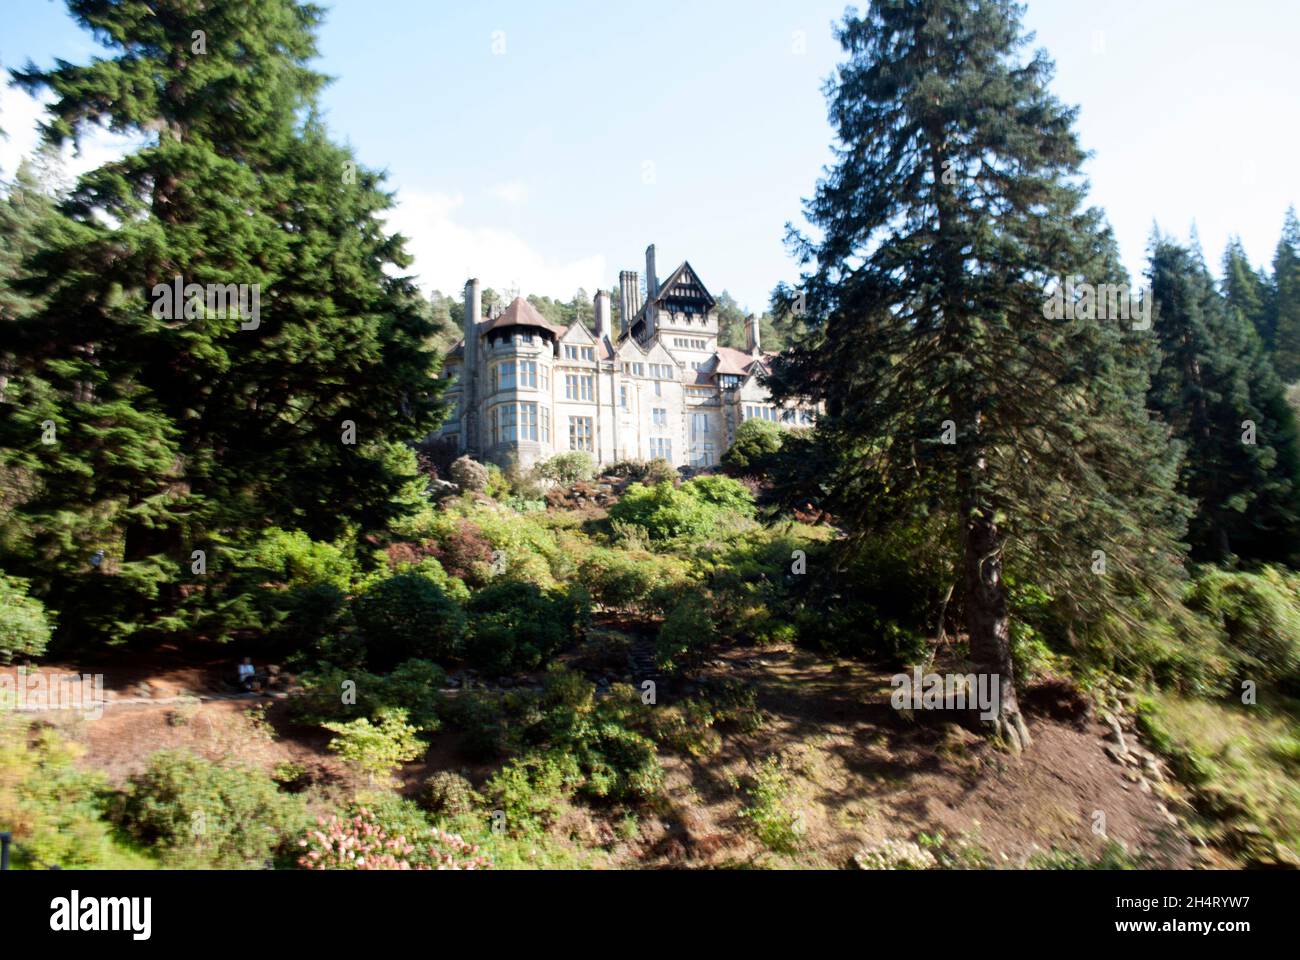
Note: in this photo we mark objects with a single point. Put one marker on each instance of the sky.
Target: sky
(540, 146)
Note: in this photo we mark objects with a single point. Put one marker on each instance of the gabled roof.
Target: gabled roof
(685, 277)
(670, 288)
(579, 332)
(520, 313)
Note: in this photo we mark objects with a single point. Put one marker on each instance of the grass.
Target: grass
(1242, 764)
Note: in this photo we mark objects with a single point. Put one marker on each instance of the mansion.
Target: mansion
(660, 386)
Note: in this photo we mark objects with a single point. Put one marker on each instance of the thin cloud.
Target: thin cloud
(448, 252)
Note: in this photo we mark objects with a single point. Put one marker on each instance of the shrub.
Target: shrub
(408, 617)
(24, 625)
(469, 474)
(362, 841)
(516, 626)
(194, 812)
(649, 472)
(376, 749)
(465, 553)
(498, 484)
(619, 579)
(1259, 613)
(777, 827)
(755, 444)
(529, 791)
(571, 467)
(317, 618)
(722, 492)
(619, 764)
(664, 511)
(449, 794)
(292, 558)
(687, 630)
(54, 810)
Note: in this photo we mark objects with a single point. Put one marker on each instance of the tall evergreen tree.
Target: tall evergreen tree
(192, 425)
(1247, 291)
(1216, 388)
(1284, 309)
(954, 202)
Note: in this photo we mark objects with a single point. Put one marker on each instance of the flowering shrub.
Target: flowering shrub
(360, 842)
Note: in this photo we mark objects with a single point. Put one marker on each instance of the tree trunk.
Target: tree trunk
(988, 622)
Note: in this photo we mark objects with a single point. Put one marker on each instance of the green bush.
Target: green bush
(631, 581)
(316, 619)
(664, 512)
(331, 693)
(517, 626)
(408, 617)
(1260, 615)
(448, 794)
(24, 624)
(686, 632)
(376, 749)
(529, 791)
(55, 810)
(768, 808)
(721, 492)
(292, 558)
(755, 444)
(197, 813)
(570, 467)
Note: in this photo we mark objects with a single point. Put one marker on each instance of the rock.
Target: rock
(1116, 734)
(1114, 752)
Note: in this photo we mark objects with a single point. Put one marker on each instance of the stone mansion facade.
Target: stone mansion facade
(660, 386)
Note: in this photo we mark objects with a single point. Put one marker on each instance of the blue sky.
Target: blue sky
(543, 145)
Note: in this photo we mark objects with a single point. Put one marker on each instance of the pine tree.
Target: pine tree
(1216, 388)
(1284, 312)
(953, 203)
(1247, 291)
(190, 424)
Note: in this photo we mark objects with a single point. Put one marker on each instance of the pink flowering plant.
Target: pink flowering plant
(360, 842)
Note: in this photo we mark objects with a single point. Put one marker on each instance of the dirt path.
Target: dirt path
(860, 773)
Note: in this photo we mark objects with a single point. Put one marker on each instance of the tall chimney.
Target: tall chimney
(752, 341)
(602, 314)
(469, 378)
(651, 288)
(629, 297)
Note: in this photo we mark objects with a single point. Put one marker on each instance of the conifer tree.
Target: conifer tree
(1284, 309)
(952, 206)
(269, 393)
(1217, 389)
(1247, 291)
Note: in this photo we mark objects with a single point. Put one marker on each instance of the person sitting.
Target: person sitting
(247, 673)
